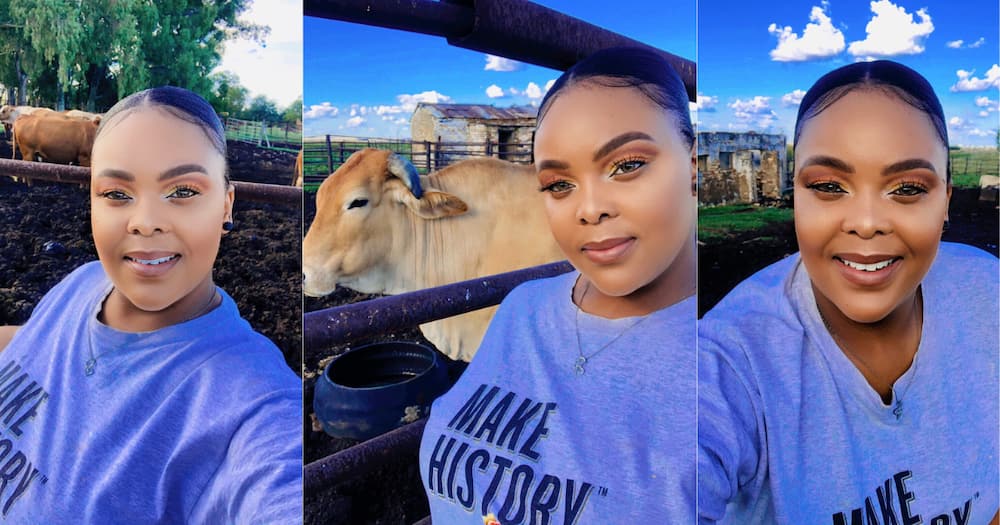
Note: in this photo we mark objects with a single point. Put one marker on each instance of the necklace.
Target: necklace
(91, 365)
(581, 359)
(897, 408)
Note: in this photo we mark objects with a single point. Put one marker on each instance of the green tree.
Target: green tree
(293, 113)
(227, 96)
(54, 29)
(262, 108)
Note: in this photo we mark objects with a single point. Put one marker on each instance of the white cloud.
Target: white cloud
(955, 121)
(401, 120)
(705, 103)
(275, 68)
(533, 91)
(514, 91)
(495, 63)
(967, 82)
(548, 85)
(955, 44)
(820, 39)
(494, 91)
(354, 122)
(794, 98)
(755, 112)
(976, 132)
(984, 113)
(977, 43)
(409, 102)
(985, 102)
(384, 110)
(892, 31)
(321, 110)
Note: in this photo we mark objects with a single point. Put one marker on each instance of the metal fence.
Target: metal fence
(322, 156)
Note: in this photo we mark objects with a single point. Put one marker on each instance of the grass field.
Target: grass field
(720, 222)
(967, 165)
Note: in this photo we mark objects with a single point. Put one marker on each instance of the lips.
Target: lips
(867, 270)
(608, 251)
(151, 263)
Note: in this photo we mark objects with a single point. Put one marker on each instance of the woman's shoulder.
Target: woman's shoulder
(538, 292)
(763, 293)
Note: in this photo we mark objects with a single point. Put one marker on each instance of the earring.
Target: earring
(228, 226)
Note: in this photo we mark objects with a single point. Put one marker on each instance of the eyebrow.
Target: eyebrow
(176, 171)
(603, 151)
(619, 141)
(895, 167)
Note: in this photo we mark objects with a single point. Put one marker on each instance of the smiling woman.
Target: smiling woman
(143, 395)
(857, 381)
(579, 405)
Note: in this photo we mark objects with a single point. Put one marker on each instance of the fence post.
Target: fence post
(427, 154)
(329, 155)
(341, 152)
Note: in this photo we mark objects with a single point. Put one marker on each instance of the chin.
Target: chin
(866, 312)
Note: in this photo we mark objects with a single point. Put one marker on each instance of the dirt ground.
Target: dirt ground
(725, 263)
(259, 263)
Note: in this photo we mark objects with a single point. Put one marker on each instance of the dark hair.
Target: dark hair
(179, 102)
(634, 67)
(891, 78)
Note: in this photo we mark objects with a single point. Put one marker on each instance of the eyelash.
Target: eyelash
(618, 164)
(551, 187)
(912, 189)
(119, 195)
(826, 186)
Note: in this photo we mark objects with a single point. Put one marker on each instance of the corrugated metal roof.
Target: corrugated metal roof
(482, 111)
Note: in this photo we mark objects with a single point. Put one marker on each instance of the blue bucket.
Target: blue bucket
(375, 388)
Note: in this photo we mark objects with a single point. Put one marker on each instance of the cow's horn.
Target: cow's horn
(402, 168)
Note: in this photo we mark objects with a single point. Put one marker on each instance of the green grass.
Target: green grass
(720, 222)
(967, 165)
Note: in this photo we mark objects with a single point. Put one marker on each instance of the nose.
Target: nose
(147, 218)
(595, 204)
(868, 216)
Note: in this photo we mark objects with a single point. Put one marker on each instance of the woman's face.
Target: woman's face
(870, 202)
(158, 201)
(618, 179)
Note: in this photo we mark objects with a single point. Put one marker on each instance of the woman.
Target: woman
(579, 404)
(135, 393)
(856, 382)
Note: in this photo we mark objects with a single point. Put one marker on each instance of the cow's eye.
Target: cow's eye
(358, 203)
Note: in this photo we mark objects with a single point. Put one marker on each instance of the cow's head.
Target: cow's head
(6, 112)
(365, 213)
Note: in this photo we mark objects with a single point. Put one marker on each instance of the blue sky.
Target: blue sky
(364, 81)
(756, 59)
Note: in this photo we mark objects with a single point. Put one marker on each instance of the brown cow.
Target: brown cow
(298, 170)
(54, 138)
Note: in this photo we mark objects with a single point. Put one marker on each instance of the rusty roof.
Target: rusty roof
(481, 111)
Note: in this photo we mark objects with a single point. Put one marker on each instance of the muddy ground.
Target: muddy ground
(259, 263)
(723, 264)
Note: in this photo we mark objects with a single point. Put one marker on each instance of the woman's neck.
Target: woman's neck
(119, 313)
(882, 351)
(675, 284)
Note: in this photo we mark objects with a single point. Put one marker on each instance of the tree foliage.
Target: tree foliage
(90, 53)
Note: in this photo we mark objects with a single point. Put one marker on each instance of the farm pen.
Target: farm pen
(514, 29)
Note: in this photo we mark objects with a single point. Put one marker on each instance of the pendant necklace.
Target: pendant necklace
(581, 359)
(91, 365)
(897, 407)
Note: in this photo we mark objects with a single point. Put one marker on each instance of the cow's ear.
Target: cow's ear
(432, 205)
(435, 205)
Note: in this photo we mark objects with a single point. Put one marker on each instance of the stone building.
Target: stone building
(741, 167)
(478, 129)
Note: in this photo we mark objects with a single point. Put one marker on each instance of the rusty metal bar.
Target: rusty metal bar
(394, 447)
(515, 29)
(251, 191)
(343, 324)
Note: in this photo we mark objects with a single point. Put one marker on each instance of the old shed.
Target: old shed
(502, 132)
(741, 167)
